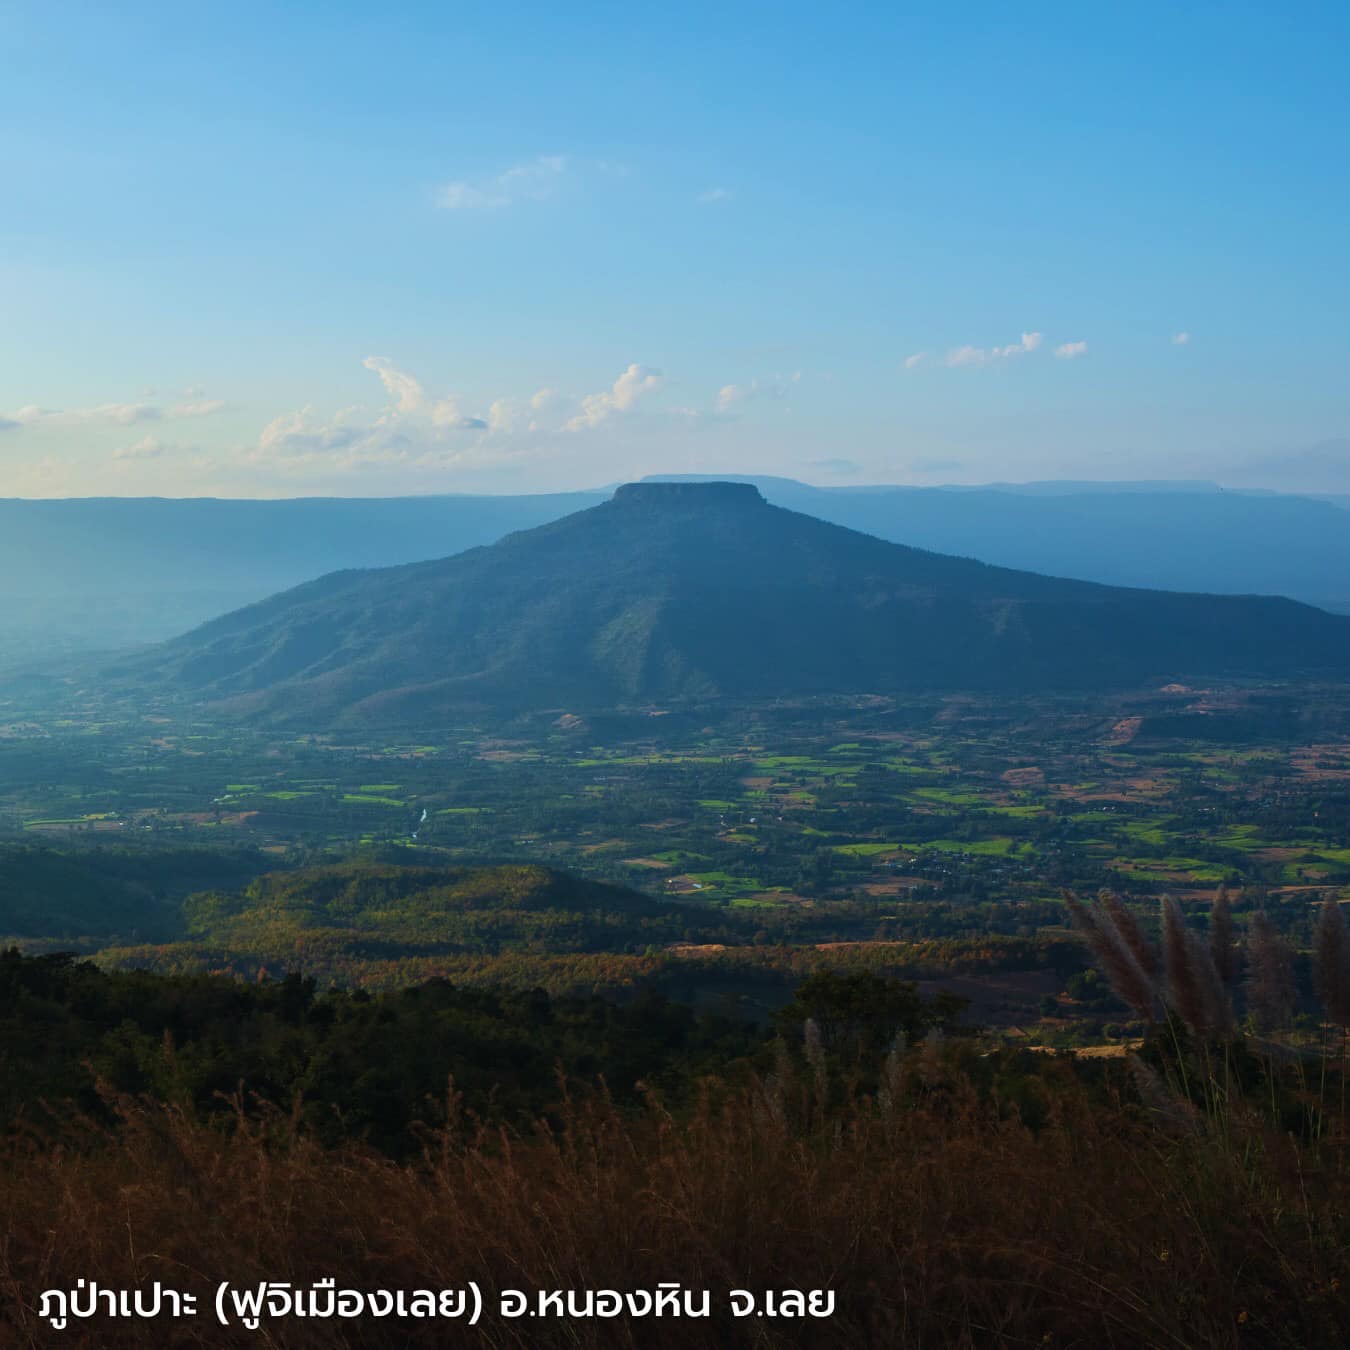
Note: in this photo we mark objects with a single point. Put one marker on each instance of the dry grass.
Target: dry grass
(939, 1222)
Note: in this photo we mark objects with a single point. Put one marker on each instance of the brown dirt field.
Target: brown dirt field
(784, 898)
(1024, 777)
(1305, 762)
(860, 942)
(206, 817)
(893, 885)
(1124, 731)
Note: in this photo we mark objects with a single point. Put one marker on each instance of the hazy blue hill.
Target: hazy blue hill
(695, 590)
(90, 573)
(107, 543)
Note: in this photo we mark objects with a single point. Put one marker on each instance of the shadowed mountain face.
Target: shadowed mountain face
(675, 591)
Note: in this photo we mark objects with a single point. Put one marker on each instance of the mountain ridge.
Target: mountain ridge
(104, 573)
(686, 591)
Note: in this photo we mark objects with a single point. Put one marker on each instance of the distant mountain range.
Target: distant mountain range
(687, 591)
(101, 573)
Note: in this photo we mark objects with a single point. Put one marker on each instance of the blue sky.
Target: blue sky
(279, 250)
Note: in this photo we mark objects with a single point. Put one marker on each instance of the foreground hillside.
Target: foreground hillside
(696, 591)
(913, 1189)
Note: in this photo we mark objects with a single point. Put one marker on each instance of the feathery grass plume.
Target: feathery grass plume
(1218, 1006)
(770, 1104)
(814, 1049)
(1185, 980)
(1331, 966)
(892, 1077)
(1117, 961)
(1084, 919)
(1176, 1113)
(814, 1046)
(1131, 934)
(1221, 949)
(930, 1056)
(1270, 976)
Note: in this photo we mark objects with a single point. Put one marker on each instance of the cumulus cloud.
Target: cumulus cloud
(1180, 339)
(411, 428)
(146, 448)
(303, 434)
(636, 382)
(448, 414)
(525, 182)
(115, 414)
(416, 433)
(406, 390)
(1067, 351)
(731, 394)
(915, 359)
(503, 417)
(199, 407)
(983, 356)
(121, 414)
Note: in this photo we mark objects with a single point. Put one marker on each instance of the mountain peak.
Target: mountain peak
(658, 496)
(690, 591)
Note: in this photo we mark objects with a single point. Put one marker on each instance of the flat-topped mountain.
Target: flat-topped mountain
(687, 590)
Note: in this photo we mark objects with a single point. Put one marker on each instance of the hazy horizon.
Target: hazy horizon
(1049, 487)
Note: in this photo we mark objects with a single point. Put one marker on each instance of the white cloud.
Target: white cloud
(982, 356)
(302, 434)
(732, 394)
(1067, 351)
(406, 390)
(448, 414)
(199, 407)
(712, 195)
(146, 448)
(118, 414)
(525, 182)
(636, 382)
(503, 417)
(410, 425)
(1029, 343)
(122, 414)
(1180, 339)
(967, 356)
(916, 359)
(544, 404)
